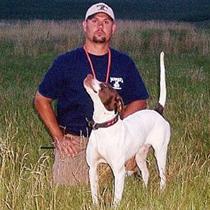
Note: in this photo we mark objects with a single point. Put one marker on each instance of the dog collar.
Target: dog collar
(92, 124)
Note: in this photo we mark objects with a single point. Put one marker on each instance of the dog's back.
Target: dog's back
(143, 127)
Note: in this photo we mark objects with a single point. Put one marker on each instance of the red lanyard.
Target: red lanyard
(108, 66)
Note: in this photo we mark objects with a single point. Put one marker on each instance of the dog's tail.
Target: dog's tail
(162, 98)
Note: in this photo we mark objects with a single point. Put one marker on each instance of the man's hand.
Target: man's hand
(68, 146)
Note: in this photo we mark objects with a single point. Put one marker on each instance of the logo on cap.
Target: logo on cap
(99, 7)
(102, 7)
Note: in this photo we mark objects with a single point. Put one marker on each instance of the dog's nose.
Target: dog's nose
(88, 80)
(89, 76)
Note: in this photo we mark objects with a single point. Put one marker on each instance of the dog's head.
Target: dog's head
(103, 95)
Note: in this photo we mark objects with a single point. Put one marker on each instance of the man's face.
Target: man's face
(99, 28)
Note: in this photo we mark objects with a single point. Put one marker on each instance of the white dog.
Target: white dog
(114, 141)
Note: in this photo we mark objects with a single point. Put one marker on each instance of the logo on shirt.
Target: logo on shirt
(116, 82)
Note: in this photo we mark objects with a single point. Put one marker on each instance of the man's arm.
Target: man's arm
(43, 105)
(134, 107)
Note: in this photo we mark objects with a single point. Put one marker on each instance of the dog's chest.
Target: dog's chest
(107, 139)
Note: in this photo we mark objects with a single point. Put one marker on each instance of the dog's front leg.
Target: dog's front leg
(119, 185)
(94, 183)
(92, 160)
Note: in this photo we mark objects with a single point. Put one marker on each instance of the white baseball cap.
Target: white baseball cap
(100, 7)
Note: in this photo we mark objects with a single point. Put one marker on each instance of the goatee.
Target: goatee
(99, 40)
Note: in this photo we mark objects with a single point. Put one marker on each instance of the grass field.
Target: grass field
(26, 51)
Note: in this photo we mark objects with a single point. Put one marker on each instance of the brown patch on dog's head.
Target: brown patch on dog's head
(110, 98)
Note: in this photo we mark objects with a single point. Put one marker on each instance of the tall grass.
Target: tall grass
(28, 48)
(35, 37)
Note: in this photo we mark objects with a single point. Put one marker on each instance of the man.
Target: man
(64, 82)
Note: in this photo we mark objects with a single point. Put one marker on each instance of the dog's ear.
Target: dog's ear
(119, 105)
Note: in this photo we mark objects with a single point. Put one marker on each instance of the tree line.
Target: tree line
(173, 10)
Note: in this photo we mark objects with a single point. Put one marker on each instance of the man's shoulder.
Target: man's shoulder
(71, 54)
(121, 56)
(67, 60)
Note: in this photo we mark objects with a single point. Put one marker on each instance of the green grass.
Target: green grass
(25, 169)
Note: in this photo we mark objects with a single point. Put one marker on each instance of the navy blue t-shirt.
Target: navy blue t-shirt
(64, 82)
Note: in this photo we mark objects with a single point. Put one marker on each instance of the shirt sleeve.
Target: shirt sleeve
(52, 83)
(134, 87)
